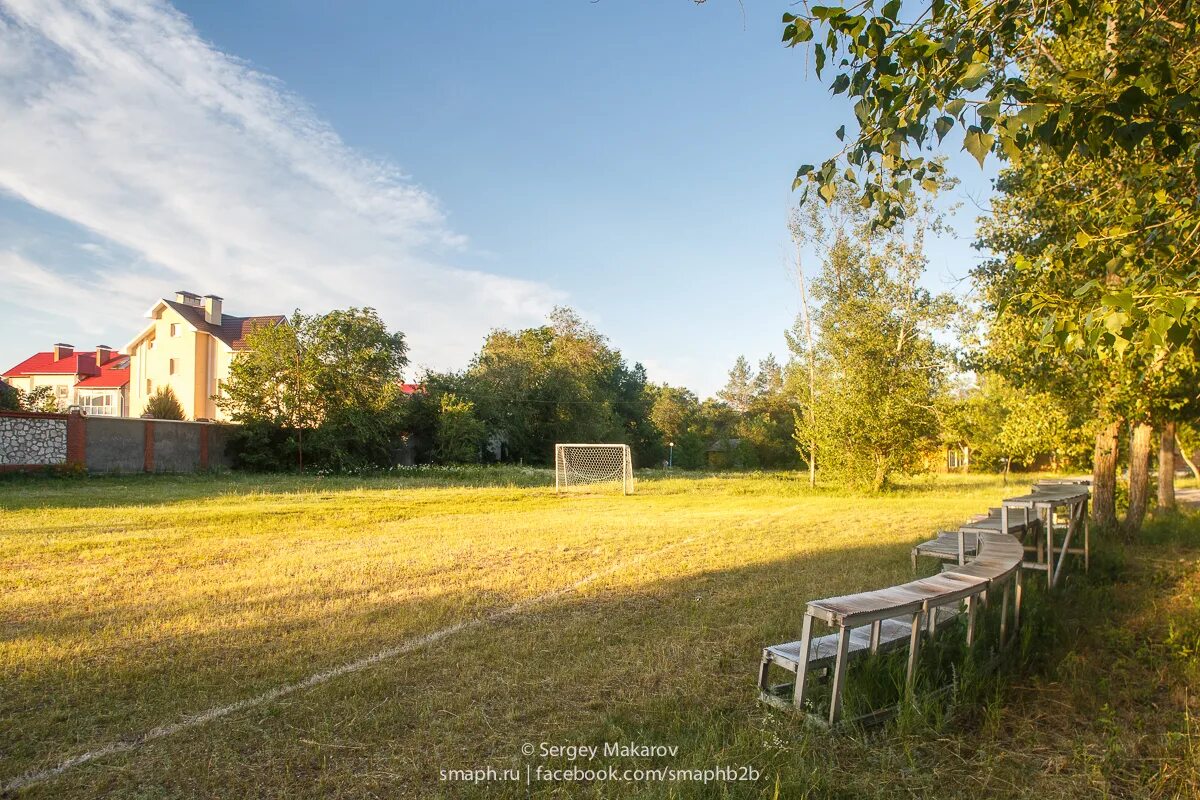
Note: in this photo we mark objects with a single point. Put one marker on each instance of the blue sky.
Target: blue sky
(460, 166)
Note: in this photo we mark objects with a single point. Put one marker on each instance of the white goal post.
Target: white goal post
(586, 464)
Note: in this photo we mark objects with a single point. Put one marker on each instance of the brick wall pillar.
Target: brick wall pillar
(148, 457)
(76, 440)
(204, 447)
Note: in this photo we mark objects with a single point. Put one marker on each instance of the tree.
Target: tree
(10, 397)
(561, 382)
(38, 399)
(1094, 106)
(800, 342)
(880, 369)
(334, 376)
(163, 404)
(459, 432)
(1113, 84)
(1166, 468)
(677, 414)
(739, 389)
(1032, 425)
(1139, 382)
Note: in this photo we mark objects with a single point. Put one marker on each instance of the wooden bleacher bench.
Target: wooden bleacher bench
(956, 546)
(883, 619)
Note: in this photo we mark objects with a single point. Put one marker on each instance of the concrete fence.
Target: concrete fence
(31, 442)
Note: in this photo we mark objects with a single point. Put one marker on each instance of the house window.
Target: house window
(61, 391)
(171, 366)
(953, 459)
(174, 328)
(100, 405)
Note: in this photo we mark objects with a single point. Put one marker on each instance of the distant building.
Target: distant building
(95, 380)
(724, 453)
(188, 346)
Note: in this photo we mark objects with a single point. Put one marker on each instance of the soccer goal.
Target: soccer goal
(586, 464)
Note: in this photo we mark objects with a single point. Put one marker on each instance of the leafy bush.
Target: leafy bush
(262, 447)
(459, 431)
(163, 404)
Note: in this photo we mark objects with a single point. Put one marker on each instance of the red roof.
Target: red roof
(411, 388)
(113, 375)
(44, 364)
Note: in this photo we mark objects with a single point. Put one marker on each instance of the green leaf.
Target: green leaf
(973, 75)
(942, 126)
(841, 83)
(955, 107)
(827, 192)
(1082, 239)
(978, 143)
(1115, 321)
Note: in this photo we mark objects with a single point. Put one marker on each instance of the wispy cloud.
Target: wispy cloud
(117, 117)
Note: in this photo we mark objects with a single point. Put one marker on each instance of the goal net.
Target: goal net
(588, 464)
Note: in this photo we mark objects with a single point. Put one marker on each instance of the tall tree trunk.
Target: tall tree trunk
(1104, 475)
(1007, 465)
(880, 475)
(966, 465)
(1139, 476)
(1166, 469)
(812, 369)
(1190, 464)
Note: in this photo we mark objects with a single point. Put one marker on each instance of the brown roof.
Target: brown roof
(232, 330)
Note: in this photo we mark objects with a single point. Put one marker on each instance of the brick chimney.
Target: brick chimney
(187, 298)
(104, 354)
(212, 309)
(62, 351)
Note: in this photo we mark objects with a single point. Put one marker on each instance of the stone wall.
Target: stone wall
(34, 439)
(110, 444)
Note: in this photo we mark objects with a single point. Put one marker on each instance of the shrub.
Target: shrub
(163, 404)
(459, 431)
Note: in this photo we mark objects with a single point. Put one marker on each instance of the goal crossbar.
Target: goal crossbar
(590, 464)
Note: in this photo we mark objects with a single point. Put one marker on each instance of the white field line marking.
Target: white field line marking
(408, 646)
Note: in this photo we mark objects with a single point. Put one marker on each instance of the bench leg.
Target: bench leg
(802, 667)
(914, 561)
(914, 647)
(1050, 548)
(1087, 547)
(762, 673)
(839, 674)
(1017, 603)
(1004, 614)
(970, 620)
(876, 629)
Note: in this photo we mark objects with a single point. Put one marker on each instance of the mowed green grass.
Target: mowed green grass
(127, 604)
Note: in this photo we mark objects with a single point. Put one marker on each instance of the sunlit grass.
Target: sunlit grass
(127, 603)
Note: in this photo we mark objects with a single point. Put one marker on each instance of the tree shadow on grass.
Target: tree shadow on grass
(662, 661)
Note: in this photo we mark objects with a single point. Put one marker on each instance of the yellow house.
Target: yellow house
(188, 346)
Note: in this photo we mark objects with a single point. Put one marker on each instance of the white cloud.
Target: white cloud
(116, 116)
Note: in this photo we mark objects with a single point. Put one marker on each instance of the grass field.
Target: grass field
(504, 615)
